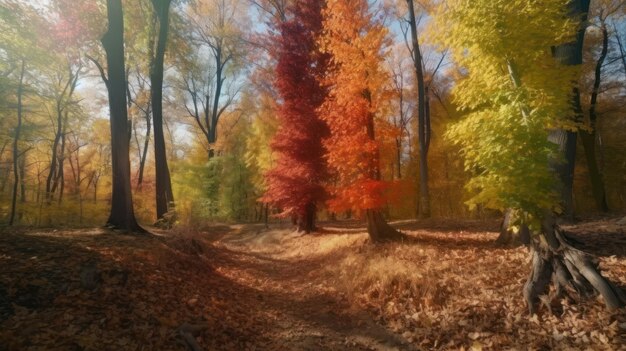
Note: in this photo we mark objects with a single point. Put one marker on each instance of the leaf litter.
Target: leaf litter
(242, 287)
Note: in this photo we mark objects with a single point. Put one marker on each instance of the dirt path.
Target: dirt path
(238, 282)
(305, 313)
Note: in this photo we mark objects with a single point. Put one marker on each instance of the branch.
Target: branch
(188, 332)
(99, 66)
(621, 46)
(432, 76)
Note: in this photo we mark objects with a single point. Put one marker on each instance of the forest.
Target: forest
(312, 175)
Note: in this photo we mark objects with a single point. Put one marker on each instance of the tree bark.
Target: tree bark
(398, 165)
(219, 81)
(588, 137)
(422, 118)
(508, 237)
(60, 178)
(144, 154)
(572, 272)
(52, 173)
(122, 215)
(16, 138)
(56, 162)
(164, 196)
(378, 229)
(306, 222)
(588, 140)
(570, 54)
(23, 177)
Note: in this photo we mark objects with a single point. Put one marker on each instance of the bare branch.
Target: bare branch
(99, 66)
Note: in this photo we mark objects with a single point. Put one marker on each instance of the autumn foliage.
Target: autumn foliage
(295, 183)
(356, 105)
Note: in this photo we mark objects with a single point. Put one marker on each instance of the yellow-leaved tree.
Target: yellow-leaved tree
(516, 92)
(258, 156)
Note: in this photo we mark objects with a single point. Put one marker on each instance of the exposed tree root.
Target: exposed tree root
(573, 272)
(130, 229)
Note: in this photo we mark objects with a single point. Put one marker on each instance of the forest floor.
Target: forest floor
(244, 287)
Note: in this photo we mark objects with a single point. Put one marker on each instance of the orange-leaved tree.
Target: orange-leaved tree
(355, 109)
(295, 183)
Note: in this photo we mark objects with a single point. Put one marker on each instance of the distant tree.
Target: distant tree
(210, 67)
(22, 59)
(16, 139)
(588, 135)
(164, 195)
(295, 184)
(141, 100)
(354, 111)
(140, 37)
(423, 115)
(516, 95)
(63, 87)
(401, 119)
(259, 156)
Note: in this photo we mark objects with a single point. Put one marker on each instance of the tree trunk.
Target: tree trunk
(144, 154)
(572, 272)
(95, 190)
(61, 109)
(52, 173)
(122, 215)
(306, 222)
(588, 140)
(378, 229)
(16, 138)
(215, 110)
(398, 165)
(23, 177)
(508, 237)
(570, 54)
(4, 146)
(60, 179)
(423, 123)
(164, 196)
(588, 137)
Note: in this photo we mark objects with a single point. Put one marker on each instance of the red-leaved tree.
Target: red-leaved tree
(295, 183)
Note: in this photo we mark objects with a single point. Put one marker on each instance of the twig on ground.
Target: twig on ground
(188, 333)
